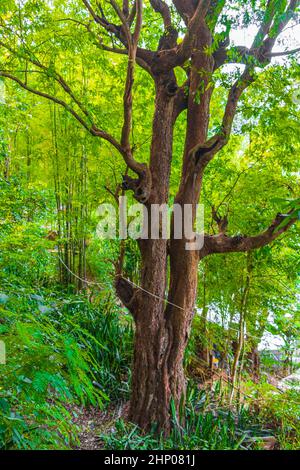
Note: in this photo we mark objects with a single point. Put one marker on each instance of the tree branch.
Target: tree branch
(169, 39)
(266, 23)
(167, 59)
(263, 53)
(193, 26)
(161, 7)
(223, 244)
(243, 55)
(127, 294)
(51, 74)
(126, 8)
(185, 8)
(260, 53)
(204, 153)
(127, 98)
(140, 52)
(214, 12)
(125, 25)
(180, 100)
(274, 30)
(142, 186)
(233, 98)
(282, 53)
(143, 56)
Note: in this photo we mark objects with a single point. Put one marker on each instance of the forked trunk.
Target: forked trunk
(162, 329)
(160, 340)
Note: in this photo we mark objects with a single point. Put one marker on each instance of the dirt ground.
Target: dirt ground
(93, 422)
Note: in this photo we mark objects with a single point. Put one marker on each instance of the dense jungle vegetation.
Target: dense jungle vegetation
(101, 339)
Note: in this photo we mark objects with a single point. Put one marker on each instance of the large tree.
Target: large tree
(194, 37)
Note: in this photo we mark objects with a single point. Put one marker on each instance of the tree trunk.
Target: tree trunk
(160, 341)
(150, 397)
(237, 354)
(241, 338)
(254, 363)
(162, 332)
(204, 349)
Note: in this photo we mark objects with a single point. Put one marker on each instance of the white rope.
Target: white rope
(153, 295)
(162, 299)
(75, 275)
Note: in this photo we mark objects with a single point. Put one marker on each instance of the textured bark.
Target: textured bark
(161, 337)
(162, 332)
(150, 389)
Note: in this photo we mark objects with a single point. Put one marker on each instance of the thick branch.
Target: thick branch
(234, 55)
(193, 26)
(204, 153)
(100, 19)
(126, 8)
(143, 62)
(233, 98)
(223, 244)
(282, 53)
(142, 187)
(266, 23)
(180, 100)
(169, 39)
(214, 12)
(185, 8)
(127, 294)
(161, 7)
(125, 25)
(168, 59)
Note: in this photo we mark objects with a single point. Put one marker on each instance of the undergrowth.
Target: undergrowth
(207, 427)
(60, 351)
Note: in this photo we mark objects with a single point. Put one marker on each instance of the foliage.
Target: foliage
(61, 350)
(281, 411)
(207, 427)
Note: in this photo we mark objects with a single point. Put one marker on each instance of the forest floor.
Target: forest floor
(93, 422)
